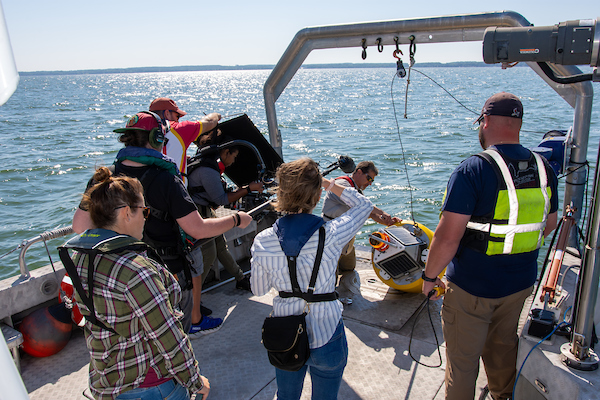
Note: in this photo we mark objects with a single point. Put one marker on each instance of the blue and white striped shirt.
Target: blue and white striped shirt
(270, 268)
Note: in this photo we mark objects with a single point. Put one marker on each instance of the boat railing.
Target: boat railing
(53, 234)
(442, 29)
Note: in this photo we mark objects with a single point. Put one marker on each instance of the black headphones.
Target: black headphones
(157, 135)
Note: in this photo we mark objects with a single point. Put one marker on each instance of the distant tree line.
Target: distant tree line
(248, 67)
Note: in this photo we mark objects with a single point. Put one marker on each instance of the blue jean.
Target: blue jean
(170, 390)
(325, 365)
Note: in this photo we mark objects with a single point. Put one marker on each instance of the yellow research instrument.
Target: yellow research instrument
(399, 254)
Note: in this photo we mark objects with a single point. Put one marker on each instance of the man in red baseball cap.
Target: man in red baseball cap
(181, 134)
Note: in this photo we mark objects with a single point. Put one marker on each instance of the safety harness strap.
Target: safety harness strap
(106, 245)
(87, 300)
(308, 296)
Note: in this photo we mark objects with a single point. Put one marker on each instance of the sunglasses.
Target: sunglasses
(145, 210)
(370, 179)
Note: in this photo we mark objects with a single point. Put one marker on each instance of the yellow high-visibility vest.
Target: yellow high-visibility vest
(520, 216)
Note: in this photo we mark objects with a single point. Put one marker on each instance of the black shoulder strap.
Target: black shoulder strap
(309, 296)
(146, 180)
(87, 300)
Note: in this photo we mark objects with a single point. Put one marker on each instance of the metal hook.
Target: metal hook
(379, 45)
(412, 49)
(396, 52)
(364, 46)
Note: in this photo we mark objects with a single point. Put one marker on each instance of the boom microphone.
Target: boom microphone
(346, 164)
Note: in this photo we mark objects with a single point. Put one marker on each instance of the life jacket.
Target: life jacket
(349, 180)
(210, 161)
(516, 224)
(91, 243)
(147, 156)
(293, 231)
(346, 178)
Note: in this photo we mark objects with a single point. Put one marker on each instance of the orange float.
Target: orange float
(46, 331)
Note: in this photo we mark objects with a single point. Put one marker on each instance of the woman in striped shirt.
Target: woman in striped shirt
(299, 191)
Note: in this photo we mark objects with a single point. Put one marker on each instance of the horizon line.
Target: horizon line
(184, 68)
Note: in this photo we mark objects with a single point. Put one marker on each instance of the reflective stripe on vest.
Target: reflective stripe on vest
(530, 234)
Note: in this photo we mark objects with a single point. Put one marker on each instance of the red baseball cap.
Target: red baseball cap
(165, 104)
(140, 121)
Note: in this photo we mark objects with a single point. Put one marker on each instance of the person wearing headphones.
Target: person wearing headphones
(166, 195)
(179, 137)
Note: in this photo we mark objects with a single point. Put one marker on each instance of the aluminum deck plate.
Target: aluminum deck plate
(235, 362)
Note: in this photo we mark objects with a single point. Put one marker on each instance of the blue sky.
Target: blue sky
(84, 34)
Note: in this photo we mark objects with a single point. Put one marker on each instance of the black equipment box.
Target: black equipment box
(247, 166)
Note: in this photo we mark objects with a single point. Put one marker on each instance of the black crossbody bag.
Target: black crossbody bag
(286, 338)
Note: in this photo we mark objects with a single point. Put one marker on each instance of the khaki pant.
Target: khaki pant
(347, 261)
(217, 248)
(479, 327)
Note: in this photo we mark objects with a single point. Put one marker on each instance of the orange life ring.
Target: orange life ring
(69, 299)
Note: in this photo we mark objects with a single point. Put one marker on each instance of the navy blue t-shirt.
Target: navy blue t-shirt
(472, 190)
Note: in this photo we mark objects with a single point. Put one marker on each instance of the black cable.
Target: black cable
(418, 313)
(563, 323)
(585, 164)
(563, 79)
(543, 271)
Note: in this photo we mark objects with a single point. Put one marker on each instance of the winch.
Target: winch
(400, 253)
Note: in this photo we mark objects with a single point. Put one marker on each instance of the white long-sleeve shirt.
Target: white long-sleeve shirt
(270, 268)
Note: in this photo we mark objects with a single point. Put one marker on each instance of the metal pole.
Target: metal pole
(587, 290)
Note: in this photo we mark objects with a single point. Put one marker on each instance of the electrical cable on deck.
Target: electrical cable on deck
(417, 314)
(563, 323)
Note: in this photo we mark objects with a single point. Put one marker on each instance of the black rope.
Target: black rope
(412, 214)
(16, 248)
(444, 89)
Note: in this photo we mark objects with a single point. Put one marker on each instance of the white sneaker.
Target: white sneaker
(351, 280)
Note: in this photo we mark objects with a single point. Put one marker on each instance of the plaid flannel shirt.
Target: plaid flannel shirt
(135, 296)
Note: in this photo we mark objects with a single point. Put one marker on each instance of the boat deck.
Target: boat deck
(378, 328)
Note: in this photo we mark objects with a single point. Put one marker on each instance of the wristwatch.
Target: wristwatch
(426, 278)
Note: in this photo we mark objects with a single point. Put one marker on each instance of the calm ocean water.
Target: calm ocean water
(56, 129)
